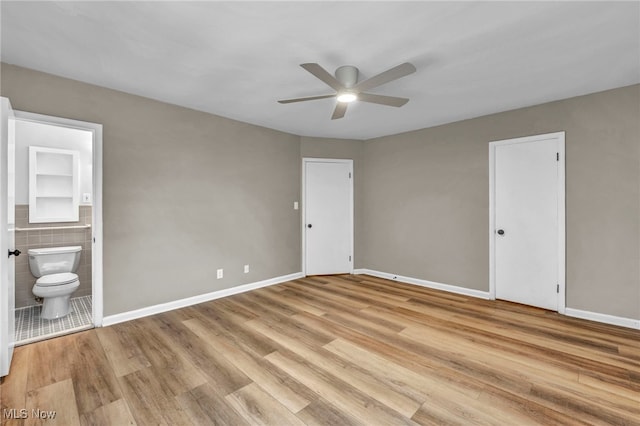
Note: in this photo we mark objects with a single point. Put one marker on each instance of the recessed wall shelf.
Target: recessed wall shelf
(53, 185)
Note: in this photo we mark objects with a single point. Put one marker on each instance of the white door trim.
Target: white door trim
(560, 136)
(96, 227)
(7, 287)
(306, 160)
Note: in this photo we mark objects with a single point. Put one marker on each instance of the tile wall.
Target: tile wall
(50, 238)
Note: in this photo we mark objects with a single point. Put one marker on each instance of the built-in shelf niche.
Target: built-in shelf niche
(54, 194)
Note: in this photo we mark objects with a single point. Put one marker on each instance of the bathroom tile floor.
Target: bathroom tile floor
(30, 327)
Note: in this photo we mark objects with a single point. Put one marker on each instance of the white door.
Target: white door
(328, 216)
(7, 236)
(528, 210)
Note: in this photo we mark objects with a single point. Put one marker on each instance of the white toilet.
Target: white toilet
(54, 267)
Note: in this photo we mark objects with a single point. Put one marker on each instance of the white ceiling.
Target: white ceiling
(236, 59)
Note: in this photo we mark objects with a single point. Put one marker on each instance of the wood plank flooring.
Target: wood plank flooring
(336, 350)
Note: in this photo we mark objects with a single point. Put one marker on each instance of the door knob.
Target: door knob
(500, 231)
(309, 226)
(16, 253)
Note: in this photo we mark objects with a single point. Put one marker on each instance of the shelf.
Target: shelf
(64, 175)
(53, 185)
(44, 228)
(54, 196)
(54, 161)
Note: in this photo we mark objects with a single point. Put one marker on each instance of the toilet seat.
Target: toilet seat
(56, 279)
(55, 290)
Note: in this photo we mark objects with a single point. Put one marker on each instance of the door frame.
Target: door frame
(96, 210)
(305, 161)
(7, 288)
(560, 137)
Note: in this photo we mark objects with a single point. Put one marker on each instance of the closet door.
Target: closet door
(528, 234)
(328, 218)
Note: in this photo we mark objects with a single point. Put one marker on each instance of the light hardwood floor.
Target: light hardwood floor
(335, 350)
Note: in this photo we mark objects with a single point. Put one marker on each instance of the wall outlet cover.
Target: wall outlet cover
(246, 269)
(220, 273)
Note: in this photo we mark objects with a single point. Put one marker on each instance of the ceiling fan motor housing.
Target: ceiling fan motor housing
(347, 75)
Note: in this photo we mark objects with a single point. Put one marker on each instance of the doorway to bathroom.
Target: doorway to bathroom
(58, 209)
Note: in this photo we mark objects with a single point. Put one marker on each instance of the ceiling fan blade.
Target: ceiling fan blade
(310, 98)
(385, 77)
(382, 100)
(341, 108)
(323, 75)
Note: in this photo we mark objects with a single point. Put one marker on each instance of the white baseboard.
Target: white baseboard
(604, 318)
(576, 313)
(176, 304)
(424, 283)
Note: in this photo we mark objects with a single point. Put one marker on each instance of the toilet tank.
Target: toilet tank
(54, 260)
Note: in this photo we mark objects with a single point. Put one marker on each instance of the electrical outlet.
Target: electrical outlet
(295, 205)
(220, 273)
(246, 269)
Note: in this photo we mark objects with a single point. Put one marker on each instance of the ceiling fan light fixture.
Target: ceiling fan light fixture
(347, 89)
(347, 97)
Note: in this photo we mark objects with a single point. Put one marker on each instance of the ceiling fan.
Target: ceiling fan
(347, 88)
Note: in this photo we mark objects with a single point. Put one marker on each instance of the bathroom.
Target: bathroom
(53, 209)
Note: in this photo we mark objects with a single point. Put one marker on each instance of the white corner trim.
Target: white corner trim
(424, 283)
(604, 318)
(181, 303)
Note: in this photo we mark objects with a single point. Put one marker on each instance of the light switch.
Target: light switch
(86, 197)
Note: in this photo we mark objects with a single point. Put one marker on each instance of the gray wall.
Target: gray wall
(185, 192)
(425, 202)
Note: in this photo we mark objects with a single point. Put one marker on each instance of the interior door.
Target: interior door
(328, 224)
(7, 235)
(527, 221)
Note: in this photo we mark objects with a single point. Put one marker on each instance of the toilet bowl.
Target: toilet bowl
(54, 267)
(56, 290)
